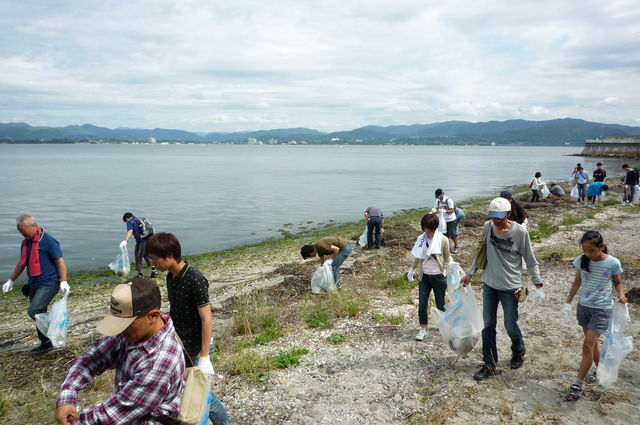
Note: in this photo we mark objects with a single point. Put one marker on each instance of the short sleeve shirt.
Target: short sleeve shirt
(49, 251)
(323, 246)
(374, 212)
(595, 188)
(599, 174)
(188, 291)
(446, 203)
(135, 226)
(596, 290)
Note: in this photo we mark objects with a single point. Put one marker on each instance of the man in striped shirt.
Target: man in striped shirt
(141, 345)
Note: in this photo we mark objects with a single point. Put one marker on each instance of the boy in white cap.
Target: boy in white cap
(140, 343)
(507, 245)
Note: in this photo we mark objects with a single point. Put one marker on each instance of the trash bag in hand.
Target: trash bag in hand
(574, 191)
(461, 323)
(442, 226)
(55, 323)
(322, 279)
(615, 348)
(121, 266)
(545, 191)
(362, 241)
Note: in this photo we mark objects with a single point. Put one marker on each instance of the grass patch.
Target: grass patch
(342, 304)
(337, 338)
(248, 364)
(609, 202)
(545, 229)
(570, 221)
(285, 359)
(318, 318)
(383, 318)
(255, 314)
(557, 254)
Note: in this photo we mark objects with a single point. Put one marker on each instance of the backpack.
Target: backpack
(146, 228)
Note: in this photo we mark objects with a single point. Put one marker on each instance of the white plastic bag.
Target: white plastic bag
(121, 266)
(410, 275)
(322, 279)
(461, 324)
(636, 196)
(574, 191)
(615, 348)
(55, 323)
(442, 226)
(362, 241)
(545, 191)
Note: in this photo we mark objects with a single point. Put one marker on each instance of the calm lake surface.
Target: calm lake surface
(215, 197)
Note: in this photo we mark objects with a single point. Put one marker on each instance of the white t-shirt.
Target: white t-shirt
(430, 266)
(537, 183)
(446, 204)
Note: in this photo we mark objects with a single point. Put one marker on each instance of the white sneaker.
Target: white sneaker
(630, 204)
(421, 335)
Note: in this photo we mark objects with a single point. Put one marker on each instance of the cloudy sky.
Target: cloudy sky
(329, 65)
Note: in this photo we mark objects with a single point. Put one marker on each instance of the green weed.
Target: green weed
(545, 229)
(337, 338)
(318, 318)
(609, 202)
(268, 335)
(255, 314)
(249, 364)
(343, 305)
(394, 320)
(285, 359)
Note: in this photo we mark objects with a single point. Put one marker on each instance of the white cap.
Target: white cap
(499, 207)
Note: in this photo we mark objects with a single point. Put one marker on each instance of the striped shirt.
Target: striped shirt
(149, 378)
(596, 289)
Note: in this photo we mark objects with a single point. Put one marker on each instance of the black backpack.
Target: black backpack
(146, 228)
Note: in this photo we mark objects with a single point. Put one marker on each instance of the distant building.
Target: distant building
(273, 141)
(335, 139)
(612, 146)
(151, 140)
(293, 142)
(252, 141)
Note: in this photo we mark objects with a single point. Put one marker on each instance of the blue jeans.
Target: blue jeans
(217, 414)
(40, 298)
(490, 300)
(438, 283)
(581, 191)
(337, 262)
(629, 194)
(374, 223)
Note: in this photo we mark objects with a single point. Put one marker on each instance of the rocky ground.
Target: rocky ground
(363, 365)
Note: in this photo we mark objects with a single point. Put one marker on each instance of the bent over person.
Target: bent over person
(333, 247)
(142, 346)
(190, 310)
(507, 245)
(41, 255)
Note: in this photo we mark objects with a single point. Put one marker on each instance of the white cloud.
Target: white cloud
(223, 66)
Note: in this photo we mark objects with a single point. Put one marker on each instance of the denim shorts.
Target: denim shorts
(452, 229)
(596, 319)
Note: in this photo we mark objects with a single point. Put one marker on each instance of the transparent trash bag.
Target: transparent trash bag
(636, 195)
(322, 279)
(461, 323)
(121, 266)
(545, 191)
(615, 348)
(574, 191)
(362, 241)
(55, 323)
(442, 226)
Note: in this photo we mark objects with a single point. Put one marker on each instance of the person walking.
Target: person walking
(517, 212)
(599, 174)
(375, 222)
(581, 179)
(41, 255)
(432, 256)
(190, 309)
(597, 276)
(536, 186)
(333, 247)
(507, 245)
(630, 182)
(448, 208)
(134, 229)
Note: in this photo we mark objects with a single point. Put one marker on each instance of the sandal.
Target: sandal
(590, 378)
(575, 391)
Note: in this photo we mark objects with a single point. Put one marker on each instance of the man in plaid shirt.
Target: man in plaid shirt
(141, 345)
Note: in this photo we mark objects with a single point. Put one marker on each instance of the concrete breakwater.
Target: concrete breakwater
(625, 147)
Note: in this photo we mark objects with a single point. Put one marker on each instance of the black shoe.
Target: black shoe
(42, 348)
(516, 361)
(377, 247)
(485, 372)
(139, 275)
(154, 273)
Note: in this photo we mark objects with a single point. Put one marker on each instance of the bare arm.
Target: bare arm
(207, 328)
(617, 283)
(62, 269)
(574, 288)
(129, 235)
(335, 250)
(17, 271)
(366, 215)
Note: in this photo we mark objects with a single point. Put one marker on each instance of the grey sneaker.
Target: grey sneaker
(420, 336)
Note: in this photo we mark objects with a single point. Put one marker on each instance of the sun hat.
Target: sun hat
(499, 207)
(128, 301)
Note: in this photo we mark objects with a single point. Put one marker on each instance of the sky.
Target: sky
(331, 65)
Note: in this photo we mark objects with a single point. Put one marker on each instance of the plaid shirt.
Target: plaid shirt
(149, 378)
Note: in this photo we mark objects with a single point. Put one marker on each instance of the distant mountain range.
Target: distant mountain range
(521, 132)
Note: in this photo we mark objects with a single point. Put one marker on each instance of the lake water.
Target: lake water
(220, 196)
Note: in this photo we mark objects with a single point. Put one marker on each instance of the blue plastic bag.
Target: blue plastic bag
(121, 266)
